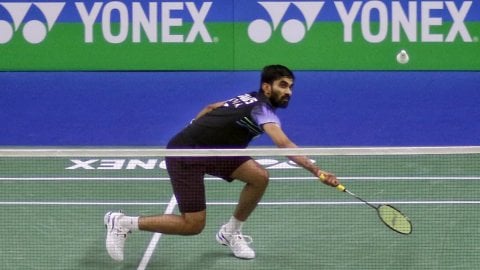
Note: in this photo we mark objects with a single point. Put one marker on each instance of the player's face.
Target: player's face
(279, 92)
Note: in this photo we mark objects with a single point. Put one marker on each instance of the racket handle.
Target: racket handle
(341, 187)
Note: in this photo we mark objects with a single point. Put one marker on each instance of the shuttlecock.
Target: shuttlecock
(402, 57)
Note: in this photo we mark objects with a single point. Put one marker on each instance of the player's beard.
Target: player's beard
(279, 101)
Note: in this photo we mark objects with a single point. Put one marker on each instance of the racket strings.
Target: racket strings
(395, 219)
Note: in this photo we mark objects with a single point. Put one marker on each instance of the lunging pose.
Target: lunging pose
(227, 124)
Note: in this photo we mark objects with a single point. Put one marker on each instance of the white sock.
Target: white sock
(130, 223)
(234, 225)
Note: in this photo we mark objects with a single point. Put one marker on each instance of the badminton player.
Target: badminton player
(227, 124)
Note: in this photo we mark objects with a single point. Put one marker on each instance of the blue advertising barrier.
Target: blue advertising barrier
(327, 109)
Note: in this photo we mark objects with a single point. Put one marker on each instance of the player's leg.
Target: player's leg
(186, 176)
(119, 226)
(184, 224)
(255, 178)
(187, 182)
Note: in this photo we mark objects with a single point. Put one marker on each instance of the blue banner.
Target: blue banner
(327, 108)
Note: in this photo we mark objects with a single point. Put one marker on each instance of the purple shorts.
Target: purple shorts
(187, 177)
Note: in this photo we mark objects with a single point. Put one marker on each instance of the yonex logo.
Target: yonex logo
(292, 30)
(151, 164)
(34, 31)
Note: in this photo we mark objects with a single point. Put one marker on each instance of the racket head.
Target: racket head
(394, 219)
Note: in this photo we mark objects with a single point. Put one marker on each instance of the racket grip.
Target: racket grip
(341, 187)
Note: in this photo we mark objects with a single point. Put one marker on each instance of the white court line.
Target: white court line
(156, 237)
(83, 178)
(269, 151)
(286, 203)
(379, 178)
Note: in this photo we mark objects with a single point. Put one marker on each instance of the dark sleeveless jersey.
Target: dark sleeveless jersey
(232, 125)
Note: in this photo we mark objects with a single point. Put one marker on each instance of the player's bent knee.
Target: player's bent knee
(196, 229)
(194, 223)
(193, 228)
(263, 178)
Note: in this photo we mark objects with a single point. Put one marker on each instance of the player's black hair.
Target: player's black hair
(274, 72)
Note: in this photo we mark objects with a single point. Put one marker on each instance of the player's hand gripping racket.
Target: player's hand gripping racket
(388, 214)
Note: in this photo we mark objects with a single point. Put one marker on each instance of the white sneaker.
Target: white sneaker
(238, 243)
(116, 235)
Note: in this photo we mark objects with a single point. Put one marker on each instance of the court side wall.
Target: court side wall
(329, 108)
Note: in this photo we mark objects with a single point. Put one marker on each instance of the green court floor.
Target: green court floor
(52, 215)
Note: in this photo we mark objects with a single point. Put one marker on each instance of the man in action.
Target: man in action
(227, 124)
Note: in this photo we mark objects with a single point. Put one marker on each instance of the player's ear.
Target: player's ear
(267, 89)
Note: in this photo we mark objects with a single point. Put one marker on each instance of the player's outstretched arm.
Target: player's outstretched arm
(281, 140)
